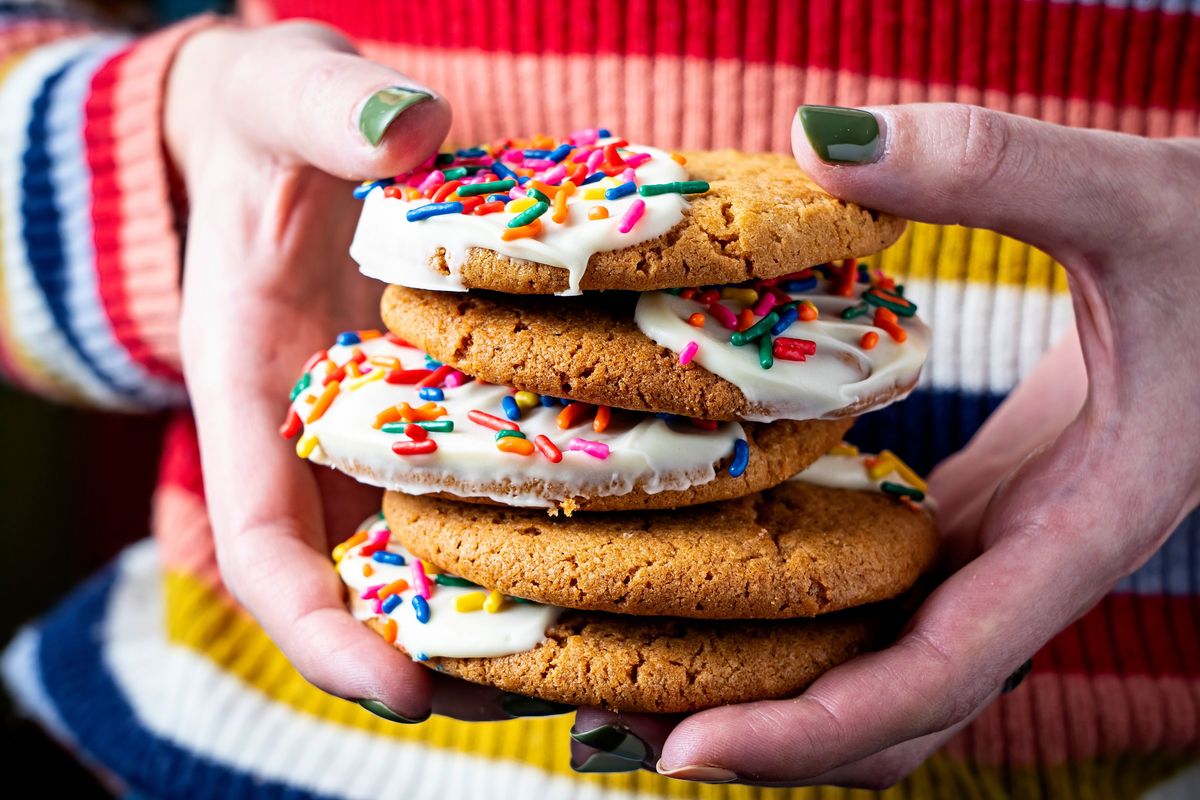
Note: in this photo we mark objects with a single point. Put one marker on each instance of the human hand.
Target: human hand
(264, 128)
(1089, 486)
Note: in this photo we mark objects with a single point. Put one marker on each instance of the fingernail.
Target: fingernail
(518, 705)
(697, 772)
(380, 710)
(605, 762)
(383, 107)
(841, 135)
(615, 740)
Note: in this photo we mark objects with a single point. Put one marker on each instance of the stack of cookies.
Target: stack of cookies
(608, 412)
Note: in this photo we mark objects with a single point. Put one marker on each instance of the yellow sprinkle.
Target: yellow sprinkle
(844, 449)
(517, 206)
(493, 603)
(744, 296)
(608, 183)
(471, 601)
(340, 551)
(387, 362)
(882, 466)
(905, 471)
(306, 444)
(593, 194)
(352, 370)
(526, 400)
(431, 568)
(358, 383)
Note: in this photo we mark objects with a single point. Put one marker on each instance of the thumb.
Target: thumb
(1052, 186)
(302, 90)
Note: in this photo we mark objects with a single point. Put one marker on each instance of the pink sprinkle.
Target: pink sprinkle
(594, 449)
(539, 163)
(764, 304)
(628, 175)
(435, 179)
(584, 136)
(632, 215)
(555, 175)
(454, 380)
(429, 162)
(372, 592)
(414, 178)
(517, 191)
(582, 154)
(377, 542)
(637, 159)
(419, 580)
(723, 315)
(688, 353)
(595, 160)
(513, 156)
(376, 606)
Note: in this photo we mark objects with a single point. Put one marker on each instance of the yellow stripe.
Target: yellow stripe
(198, 618)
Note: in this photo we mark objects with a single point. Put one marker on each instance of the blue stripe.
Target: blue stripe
(41, 228)
(73, 670)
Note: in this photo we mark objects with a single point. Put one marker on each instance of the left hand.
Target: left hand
(1085, 494)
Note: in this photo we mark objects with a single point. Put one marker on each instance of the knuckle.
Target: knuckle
(948, 706)
(988, 151)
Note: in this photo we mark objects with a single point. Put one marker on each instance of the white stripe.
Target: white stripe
(1166, 6)
(72, 179)
(28, 314)
(183, 697)
(23, 679)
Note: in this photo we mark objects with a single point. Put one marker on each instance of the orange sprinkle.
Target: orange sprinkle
(869, 340)
(410, 192)
(422, 413)
(389, 630)
(886, 319)
(524, 232)
(368, 335)
(603, 417)
(807, 311)
(323, 402)
(568, 186)
(542, 142)
(696, 320)
(352, 369)
(368, 570)
(515, 444)
(395, 587)
(524, 172)
(357, 539)
(570, 416)
(560, 206)
(678, 159)
(599, 212)
(846, 278)
(745, 319)
(389, 414)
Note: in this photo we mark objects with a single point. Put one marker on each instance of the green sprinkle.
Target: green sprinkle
(855, 311)
(766, 354)
(300, 386)
(486, 188)
(394, 427)
(902, 490)
(504, 434)
(675, 187)
(444, 158)
(754, 331)
(522, 600)
(455, 174)
(528, 215)
(438, 425)
(880, 297)
(536, 195)
(452, 580)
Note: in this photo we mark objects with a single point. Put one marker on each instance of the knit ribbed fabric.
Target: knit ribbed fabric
(154, 672)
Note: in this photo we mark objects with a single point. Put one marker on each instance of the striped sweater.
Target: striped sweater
(160, 680)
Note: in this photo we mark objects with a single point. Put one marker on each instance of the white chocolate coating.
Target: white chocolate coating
(645, 451)
(514, 628)
(844, 471)
(840, 375)
(390, 248)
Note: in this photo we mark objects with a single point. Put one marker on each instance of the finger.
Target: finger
(1056, 187)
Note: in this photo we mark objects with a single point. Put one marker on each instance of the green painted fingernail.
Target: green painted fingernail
(841, 135)
(605, 762)
(380, 710)
(518, 705)
(383, 107)
(614, 740)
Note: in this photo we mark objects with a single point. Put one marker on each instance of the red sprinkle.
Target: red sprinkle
(436, 377)
(470, 203)
(708, 296)
(723, 316)
(789, 349)
(407, 376)
(394, 339)
(846, 278)
(489, 208)
(488, 421)
(314, 359)
(705, 424)
(406, 448)
(415, 432)
(688, 294)
(547, 448)
(338, 374)
(357, 356)
(445, 190)
(393, 192)
(291, 426)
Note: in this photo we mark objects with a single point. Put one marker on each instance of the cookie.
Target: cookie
(360, 407)
(630, 218)
(586, 658)
(818, 346)
(797, 550)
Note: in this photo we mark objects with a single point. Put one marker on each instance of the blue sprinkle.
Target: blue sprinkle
(617, 192)
(559, 153)
(741, 458)
(471, 152)
(564, 401)
(384, 557)
(795, 287)
(422, 657)
(863, 275)
(361, 191)
(548, 401)
(433, 210)
(421, 607)
(432, 393)
(390, 604)
(666, 417)
(524, 179)
(503, 198)
(431, 362)
(604, 133)
(536, 153)
(348, 337)
(504, 171)
(786, 318)
(511, 409)
(595, 177)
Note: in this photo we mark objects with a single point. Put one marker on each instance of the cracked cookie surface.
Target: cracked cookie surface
(797, 550)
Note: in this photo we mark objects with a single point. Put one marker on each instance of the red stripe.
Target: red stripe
(179, 466)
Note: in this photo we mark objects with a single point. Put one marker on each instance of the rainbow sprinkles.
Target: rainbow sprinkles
(544, 201)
